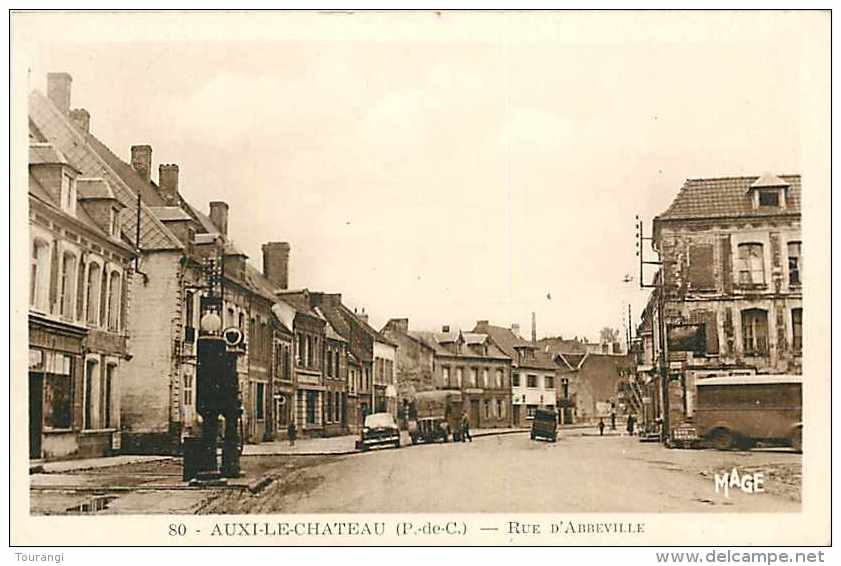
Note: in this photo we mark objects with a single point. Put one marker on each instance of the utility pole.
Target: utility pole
(659, 286)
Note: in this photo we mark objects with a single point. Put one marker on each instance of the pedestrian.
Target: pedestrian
(465, 429)
(601, 426)
(632, 420)
(291, 433)
(612, 420)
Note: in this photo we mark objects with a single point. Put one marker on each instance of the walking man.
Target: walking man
(465, 429)
(601, 426)
(291, 433)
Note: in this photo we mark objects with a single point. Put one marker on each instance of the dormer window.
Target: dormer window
(114, 223)
(68, 193)
(769, 198)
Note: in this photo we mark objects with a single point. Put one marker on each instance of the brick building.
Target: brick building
(731, 280)
(598, 383)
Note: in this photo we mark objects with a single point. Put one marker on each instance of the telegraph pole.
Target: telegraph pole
(659, 286)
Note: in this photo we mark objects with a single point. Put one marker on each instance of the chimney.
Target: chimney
(515, 328)
(141, 161)
(445, 329)
(363, 316)
(219, 216)
(58, 90)
(400, 324)
(81, 119)
(482, 326)
(276, 263)
(168, 182)
(533, 328)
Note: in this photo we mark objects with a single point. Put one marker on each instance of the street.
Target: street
(510, 473)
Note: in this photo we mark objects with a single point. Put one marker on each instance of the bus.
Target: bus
(741, 411)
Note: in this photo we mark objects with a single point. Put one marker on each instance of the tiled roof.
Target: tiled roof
(88, 188)
(728, 197)
(77, 149)
(437, 340)
(299, 301)
(509, 342)
(557, 345)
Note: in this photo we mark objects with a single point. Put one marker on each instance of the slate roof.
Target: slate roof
(77, 148)
(437, 340)
(298, 300)
(728, 197)
(44, 153)
(556, 345)
(509, 342)
(169, 213)
(88, 188)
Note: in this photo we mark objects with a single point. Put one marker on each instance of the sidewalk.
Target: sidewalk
(62, 466)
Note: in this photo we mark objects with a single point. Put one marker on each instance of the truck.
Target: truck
(435, 415)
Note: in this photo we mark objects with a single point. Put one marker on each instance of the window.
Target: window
(329, 364)
(751, 264)
(485, 379)
(530, 411)
(500, 377)
(68, 193)
(93, 292)
(57, 391)
(260, 400)
(515, 379)
(797, 329)
(39, 284)
(502, 406)
(445, 375)
(68, 284)
(190, 313)
(107, 395)
(474, 376)
(301, 354)
(532, 381)
(114, 224)
(114, 302)
(188, 389)
(794, 263)
(459, 376)
(487, 408)
(755, 332)
(565, 388)
(312, 400)
(328, 406)
(549, 382)
(769, 198)
(91, 379)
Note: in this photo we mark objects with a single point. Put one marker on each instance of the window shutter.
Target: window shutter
(726, 264)
(54, 278)
(80, 289)
(711, 331)
(701, 267)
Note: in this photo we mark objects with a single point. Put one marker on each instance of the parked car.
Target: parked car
(379, 429)
(740, 411)
(545, 425)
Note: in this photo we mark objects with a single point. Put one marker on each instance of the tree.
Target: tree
(608, 335)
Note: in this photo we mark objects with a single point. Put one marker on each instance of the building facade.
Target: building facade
(731, 283)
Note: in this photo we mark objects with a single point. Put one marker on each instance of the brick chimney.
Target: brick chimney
(219, 216)
(445, 329)
(141, 161)
(515, 328)
(482, 326)
(363, 316)
(58, 90)
(81, 119)
(168, 182)
(276, 263)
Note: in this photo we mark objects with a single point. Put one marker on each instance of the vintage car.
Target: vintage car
(545, 425)
(379, 429)
(435, 416)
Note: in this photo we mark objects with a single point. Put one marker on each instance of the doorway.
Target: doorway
(474, 413)
(36, 413)
(516, 415)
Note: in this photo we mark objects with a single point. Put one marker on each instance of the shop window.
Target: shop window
(58, 392)
(797, 329)
(751, 264)
(108, 395)
(794, 263)
(755, 332)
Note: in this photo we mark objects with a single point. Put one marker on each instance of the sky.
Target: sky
(444, 168)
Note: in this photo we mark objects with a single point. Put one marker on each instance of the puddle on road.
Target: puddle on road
(93, 505)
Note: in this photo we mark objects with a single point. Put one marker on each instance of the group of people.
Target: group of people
(630, 425)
